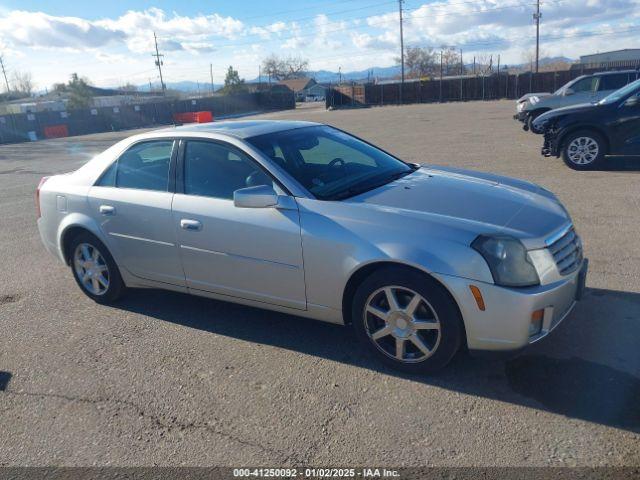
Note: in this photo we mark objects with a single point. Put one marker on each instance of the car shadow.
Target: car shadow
(5, 377)
(570, 373)
(621, 164)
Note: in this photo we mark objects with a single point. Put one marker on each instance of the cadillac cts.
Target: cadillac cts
(306, 219)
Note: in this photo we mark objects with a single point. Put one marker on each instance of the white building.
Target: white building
(626, 55)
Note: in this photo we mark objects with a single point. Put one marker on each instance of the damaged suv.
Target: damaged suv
(586, 134)
(584, 89)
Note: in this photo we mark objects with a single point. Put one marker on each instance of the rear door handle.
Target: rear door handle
(107, 210)
(188, 224)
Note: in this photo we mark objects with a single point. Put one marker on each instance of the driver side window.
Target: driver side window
(585, 85)
(216, 170)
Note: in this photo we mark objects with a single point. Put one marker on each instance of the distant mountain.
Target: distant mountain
(184, 86)
(327, 76)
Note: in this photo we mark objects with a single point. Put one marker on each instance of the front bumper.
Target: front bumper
(521, 116)
(504, 324)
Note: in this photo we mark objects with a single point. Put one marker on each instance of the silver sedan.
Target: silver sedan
(306, 219)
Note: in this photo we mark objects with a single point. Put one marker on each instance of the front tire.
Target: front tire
(407, 320)
(94, 269)
(583, 150)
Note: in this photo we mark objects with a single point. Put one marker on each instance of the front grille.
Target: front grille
(567, 252)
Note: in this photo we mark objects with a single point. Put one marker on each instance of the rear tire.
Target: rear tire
(94, 269)
(407, 320)
(583, 150)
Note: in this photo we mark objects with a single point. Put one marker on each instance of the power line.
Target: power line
(159, 62)
(381, 22)
(468, 46)
(298, 10)
(489, 43)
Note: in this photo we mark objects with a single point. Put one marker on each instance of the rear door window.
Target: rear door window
(144, 166)
(613, 82)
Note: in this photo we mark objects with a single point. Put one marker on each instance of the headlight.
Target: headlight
(508, 261)
(521, 106)
(534, 99)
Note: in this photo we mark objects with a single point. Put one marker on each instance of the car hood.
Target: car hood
(543, 120)
(527, 96)
(476, 202)
(581, 107)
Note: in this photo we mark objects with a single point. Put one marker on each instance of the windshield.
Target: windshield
(619, 94)
(569, 84)
(331, 164)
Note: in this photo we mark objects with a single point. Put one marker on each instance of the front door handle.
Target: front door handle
(188, 224)
(107, 210)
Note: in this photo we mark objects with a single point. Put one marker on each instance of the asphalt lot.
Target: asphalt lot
(169, 379)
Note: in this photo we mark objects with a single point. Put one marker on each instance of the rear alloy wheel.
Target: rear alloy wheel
(94, 269)
(407, 320)
(583, 150)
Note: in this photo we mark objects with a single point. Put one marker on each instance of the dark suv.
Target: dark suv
(585, 134)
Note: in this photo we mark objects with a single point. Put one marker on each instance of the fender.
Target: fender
(83, 221)
(573, 127)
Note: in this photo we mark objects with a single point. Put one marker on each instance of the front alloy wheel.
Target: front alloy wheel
(407, 319)
(402, 324)
(583, 150)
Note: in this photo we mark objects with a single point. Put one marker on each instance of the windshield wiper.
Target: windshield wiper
(358, 189)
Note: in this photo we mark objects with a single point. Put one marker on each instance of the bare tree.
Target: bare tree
(484, 64)
(22, 83)
(278, 68)
(419, 62)
(451, 61)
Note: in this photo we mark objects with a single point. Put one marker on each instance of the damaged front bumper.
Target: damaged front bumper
(551, 147)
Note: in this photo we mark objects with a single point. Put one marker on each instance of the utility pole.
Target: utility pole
(441, 58)
(150, 89)
(5, 74)
(536, 17)
(401, 50)
(461, 74)
(159, 62)
(339, 75)
(211, 75)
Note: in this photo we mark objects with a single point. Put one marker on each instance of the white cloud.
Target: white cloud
(122, 45)
(37, 29)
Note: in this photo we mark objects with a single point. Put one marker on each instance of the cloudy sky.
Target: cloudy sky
(111, 42)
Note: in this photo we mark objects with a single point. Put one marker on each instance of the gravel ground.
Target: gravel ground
(169, 379)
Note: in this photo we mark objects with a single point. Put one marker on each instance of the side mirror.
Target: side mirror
(569, 91)
(262, 196)
(632, 101)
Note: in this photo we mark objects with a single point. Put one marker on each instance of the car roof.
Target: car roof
(612, 72)
(239, 128)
